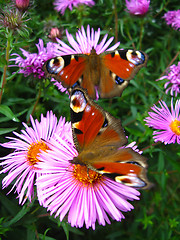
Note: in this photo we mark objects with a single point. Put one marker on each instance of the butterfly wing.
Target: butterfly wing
(126, 166)
(109, 72)
(89, 121)
(122, 65)
(70, 70)
(65, 69)
(100, 140)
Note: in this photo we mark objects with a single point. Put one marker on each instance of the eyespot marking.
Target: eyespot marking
(55, 65)
(78, 102)
(132, 181)
(135, 57)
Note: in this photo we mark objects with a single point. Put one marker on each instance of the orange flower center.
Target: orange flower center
(86, 175)
(34, 150)
(175, 127)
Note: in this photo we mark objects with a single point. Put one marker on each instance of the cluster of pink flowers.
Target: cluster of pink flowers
(173, 77)
(134, 7)
(32, 63)
(173, 18)
(42, 152)
(166, 122)
(61, 5)
(137, 7)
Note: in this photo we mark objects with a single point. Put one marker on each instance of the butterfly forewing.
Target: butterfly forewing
(83, 118)
(66, 69)
(91, 125)
(125, 63)
(109, 72)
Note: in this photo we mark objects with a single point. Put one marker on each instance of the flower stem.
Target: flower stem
(154, 144)
(171, 62)
(80, 15)
(6, 66)
(141, 34)
(162, 9)
(37, 100)
(116, 21)
(129, 35)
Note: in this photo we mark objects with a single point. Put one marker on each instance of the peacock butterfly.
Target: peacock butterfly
(109, 72)
(100, 141)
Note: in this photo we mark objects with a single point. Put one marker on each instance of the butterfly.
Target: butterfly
(109, 72)
(100, 141)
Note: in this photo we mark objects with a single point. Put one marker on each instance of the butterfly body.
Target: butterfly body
(108, 72)
(100, 141)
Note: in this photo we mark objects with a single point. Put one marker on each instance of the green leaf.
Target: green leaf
(9, 205)
(25, 209)
(12, 76)
(6, 130)
(160, 162)
(8, 113)
(173, 223)
(66, 230)
(31, 235)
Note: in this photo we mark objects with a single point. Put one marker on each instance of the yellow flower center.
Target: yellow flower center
(34, 150)
(86, 175)
(175, 127)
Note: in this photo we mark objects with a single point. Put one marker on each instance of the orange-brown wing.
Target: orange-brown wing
(125, 166)
(73, 70)
(117, 69)
(66, 69)
(100, 139)
(92, 126)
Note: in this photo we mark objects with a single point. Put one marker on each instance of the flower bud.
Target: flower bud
(55, 33)
(22, 5)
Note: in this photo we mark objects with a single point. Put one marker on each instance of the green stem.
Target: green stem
(5, 67)
(141, 34)
(154, 144)
(129, 35)
(162, 9)
(37, 100)
(80, 15)
(171, 62)
(115, 21)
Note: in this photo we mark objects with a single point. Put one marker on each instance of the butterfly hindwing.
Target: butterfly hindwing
(108, 72)
(126, 166)
(100, 139)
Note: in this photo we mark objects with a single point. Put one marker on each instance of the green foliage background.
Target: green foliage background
(157, 215)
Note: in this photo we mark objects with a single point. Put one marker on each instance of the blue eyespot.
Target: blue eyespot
(119, 80)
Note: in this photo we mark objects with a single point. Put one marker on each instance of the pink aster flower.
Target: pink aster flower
(173, 18)
(85, 41)
(61, 5)
(32, 62)
(21, 164)
(173, 75)
(137, 7)
(67, 189)
(166, 122)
